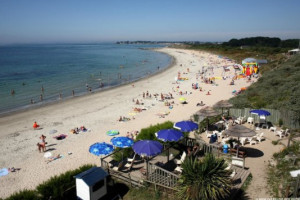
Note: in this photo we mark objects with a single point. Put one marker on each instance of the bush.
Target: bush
(120, 155)
(149, 133)
(55, 187)
(280, 122)
(24, 195)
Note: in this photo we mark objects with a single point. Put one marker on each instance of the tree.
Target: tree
(205, 179)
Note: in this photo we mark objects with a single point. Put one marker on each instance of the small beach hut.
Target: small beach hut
(91, 184)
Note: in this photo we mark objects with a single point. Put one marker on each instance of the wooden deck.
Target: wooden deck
(160, 172)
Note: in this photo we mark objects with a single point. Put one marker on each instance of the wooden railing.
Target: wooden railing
(161, 177)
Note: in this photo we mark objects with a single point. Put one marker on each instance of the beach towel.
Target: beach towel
(60, 137)
(4, 172)
(51, 159)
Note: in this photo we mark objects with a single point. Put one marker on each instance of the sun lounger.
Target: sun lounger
(181, 160)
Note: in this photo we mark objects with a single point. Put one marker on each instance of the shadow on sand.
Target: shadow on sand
(252, 152)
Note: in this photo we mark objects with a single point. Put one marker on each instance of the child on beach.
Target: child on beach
(42, 144)
(35, 125)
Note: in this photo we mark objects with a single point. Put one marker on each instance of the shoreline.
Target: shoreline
(99, 112)
(39, 105)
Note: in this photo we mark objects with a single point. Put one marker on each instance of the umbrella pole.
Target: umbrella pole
(168, 154)
(237, 149)
(147, 168)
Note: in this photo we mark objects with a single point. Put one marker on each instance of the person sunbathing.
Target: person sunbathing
(50, 159)
(82, 128)
(137, 110)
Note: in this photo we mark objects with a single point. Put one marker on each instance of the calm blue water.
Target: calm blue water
(59, 69)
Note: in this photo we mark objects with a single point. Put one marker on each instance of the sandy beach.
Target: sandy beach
(99, 112)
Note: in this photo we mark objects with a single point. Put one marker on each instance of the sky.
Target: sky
(89, 21)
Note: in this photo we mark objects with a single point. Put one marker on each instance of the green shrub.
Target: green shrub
(24, 195)
(275, 142)
(57, 185)
(280, 122)
(124, 153)
(149, 132)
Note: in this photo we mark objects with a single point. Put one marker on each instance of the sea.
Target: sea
(34, 75)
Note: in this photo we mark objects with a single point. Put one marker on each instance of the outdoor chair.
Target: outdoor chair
(260, 137)
(239, 120)
(250, 120)
(208, 134)
(273, 128)
(282, 133)
(118, 167)
(221, 134)
(181, 160)
(243, 141)
(253, 140)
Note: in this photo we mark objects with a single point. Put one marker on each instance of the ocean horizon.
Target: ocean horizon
(37, 74)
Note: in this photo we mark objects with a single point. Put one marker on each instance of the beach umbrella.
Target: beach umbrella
(169, 135)
(100, 149)
(186, 126)
(223, 104)
(147, 148)
(122, 142)
(239, 131)
(260, 112)
(207, 112)
(112, 132)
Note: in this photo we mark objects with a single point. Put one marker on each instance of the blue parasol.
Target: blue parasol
(260, 112)
(171, 135)
(112, 132)
(147, 147)
(122, 142)
(186, 126)
(101, 149)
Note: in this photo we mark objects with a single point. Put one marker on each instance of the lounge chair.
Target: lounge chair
(178, 169)
(118, 167)
(181, 160)
(130, 160)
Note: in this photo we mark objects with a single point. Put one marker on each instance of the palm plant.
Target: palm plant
(205, 179)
